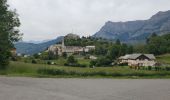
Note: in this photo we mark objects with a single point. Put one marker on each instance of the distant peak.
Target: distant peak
(161, 13)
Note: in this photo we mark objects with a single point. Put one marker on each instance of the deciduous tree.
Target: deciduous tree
(9, 32)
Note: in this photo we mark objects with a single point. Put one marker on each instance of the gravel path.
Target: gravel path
(83, 89)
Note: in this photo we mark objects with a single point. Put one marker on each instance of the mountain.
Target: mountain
(136, 30)
(32, 48)
(36, 42)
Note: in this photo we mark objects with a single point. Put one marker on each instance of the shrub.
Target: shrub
(149, 68)
(76, 65)
(167, 68)
(64, 55)
(82, 65)
(34, 61)
(71, 60)
(66, 64)
(87, 57)
(157, 68)
(14, 59)
(92, 63)
(4, 59)
(123, 64)
(51, 71)
(104, 61)
(48, 62)
(36, 56)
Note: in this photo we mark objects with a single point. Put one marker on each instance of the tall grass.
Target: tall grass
(47, 71)
(27, 69)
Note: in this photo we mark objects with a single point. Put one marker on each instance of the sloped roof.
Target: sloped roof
(125, 57)
(135, 56)
(151, 56)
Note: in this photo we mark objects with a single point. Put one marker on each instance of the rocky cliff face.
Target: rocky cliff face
(136, 30)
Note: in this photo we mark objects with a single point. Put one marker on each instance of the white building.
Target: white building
(138, 59)
(88, 48)
(93, 57)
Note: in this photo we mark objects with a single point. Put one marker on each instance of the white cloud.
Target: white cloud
(46, 19)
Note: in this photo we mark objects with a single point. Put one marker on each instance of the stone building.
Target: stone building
(61, 48)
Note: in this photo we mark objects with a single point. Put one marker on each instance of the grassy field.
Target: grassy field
(60, 62)
(164, 58)
(42, 70)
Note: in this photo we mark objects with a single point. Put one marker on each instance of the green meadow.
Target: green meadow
(28, 69)
(164, 58)
(40, 70)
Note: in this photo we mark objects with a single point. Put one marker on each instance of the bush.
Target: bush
(82, 65)
(34, 61)
(64, 55)
(36, 56)
(167, 68)
(71, 60)
(46, 71)
(123, 64)
(76, 65)
(149, 68)
(157, 68)
(4, 59)
(87, 57)
(48, 62)
(66, 64)
(14, 59)
(103, 62)
(92, 63)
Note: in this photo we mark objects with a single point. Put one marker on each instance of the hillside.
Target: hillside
(136, 30)
(31, 48)
(164, 58)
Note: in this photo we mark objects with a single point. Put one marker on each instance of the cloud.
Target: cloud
(47, 19)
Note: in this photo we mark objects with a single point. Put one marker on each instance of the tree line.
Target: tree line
(155, 44)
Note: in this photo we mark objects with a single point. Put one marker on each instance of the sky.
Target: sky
(48, 19)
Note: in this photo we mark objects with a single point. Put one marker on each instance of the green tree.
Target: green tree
(103, 61)
(118, 42)
(9, 32)
(36, 56)
(159, 44)
(129, 50)
(123, 49)
(71, 60)
(64, 55)
(113, 52)
(92, 63)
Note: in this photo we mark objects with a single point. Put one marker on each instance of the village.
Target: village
(134, 60)
(84, 50)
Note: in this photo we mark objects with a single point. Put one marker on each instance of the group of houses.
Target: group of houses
(139, 60)
(59, 49)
